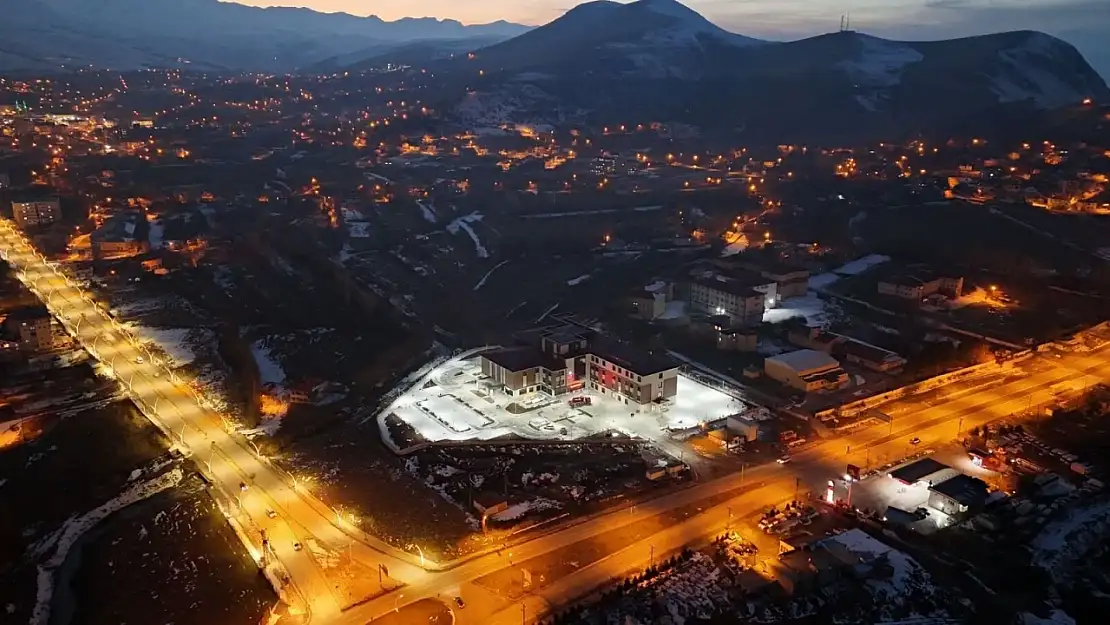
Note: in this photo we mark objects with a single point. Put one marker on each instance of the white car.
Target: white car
(139, 360)
(783, 460)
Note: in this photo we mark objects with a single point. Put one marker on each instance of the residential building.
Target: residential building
(791, 281)
(917, 287)
(116, 239)
(807, 370)
(33, 326)
(569, 357)
(650, 302)
(5, 181)
(742, 304)
(36, 212)
(737, 340)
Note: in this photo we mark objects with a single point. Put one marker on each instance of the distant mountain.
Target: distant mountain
(129, 34)
(648, 38)
(412, 53)
(658, 60)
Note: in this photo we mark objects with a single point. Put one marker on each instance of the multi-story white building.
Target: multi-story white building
(569, 357)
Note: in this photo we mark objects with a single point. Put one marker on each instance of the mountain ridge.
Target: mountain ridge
(134, 34)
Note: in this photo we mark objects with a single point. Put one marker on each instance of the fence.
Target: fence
(856, 407)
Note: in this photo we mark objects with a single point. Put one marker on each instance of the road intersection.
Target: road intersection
(231, 462)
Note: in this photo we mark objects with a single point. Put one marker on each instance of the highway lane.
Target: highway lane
(227, 459)
(230, 461)
(933, 424)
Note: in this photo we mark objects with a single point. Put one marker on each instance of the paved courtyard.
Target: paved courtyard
(454, 402)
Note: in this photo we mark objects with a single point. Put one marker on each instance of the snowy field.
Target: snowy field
(269, 370)
(454, 403)
(814, 309)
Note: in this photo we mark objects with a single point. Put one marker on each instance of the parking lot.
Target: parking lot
(455, 402)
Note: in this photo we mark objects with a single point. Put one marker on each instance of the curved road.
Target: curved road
(229, 461)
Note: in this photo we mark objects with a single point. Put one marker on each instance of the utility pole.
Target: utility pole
(522, 617)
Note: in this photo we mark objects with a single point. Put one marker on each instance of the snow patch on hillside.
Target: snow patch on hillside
(880, 63)
(463, 223)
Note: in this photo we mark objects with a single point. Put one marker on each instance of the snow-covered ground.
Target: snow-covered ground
(579, 280)
(737, 246)
(815, 310)
(861, 265)
(463, 223)
(269, 370)
(173, 341)
(1062, 542)
(457, 405)
(880, 63)
(66, 536)
(518, 510)
(358, 229)
(428, 212)
(157, 231)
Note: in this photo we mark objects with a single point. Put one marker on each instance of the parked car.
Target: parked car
(459, 602)
(296, 546)
(575, 402)
(783, 460)
(915, 441)
(270, 513)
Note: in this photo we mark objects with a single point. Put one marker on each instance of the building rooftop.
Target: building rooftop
(806, 360)
(639, 361)
(867, 352)
(521, 358)
(916, 471)
(731, 287)
(28, 313)
(967, 490)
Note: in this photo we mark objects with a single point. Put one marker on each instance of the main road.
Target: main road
(230, 461)
(259, 498)
(755, 489)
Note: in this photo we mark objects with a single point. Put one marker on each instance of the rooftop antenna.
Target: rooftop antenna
(842, 23)
(848, 22)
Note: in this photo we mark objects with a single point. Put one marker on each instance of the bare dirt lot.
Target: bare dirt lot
(177, 548)
(171, 554)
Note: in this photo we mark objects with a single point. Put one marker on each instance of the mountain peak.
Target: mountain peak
(672, 8)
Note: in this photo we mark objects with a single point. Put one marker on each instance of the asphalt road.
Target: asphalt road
(935, 424)
(230, 461)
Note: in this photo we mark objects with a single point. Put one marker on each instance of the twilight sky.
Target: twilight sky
(1084, 23)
